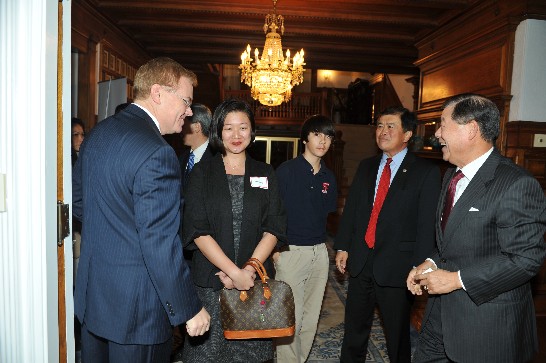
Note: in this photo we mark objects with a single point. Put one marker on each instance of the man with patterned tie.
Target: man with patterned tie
(195, 134)
(386, 228)
(490, 226)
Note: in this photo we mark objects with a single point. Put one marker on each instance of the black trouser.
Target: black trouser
(394, 305)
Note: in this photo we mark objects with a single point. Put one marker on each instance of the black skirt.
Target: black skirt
(213, 347)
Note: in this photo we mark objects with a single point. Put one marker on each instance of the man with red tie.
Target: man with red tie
(386, 228)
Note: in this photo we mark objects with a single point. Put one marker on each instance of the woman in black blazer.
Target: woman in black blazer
(233, 211)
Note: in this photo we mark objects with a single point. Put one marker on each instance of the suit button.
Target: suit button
(443, 260)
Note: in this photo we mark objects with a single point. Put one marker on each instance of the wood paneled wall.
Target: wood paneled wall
(473, 53)
(519, 147)
(103, 52)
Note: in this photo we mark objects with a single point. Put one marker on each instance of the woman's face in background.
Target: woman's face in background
(77, 137)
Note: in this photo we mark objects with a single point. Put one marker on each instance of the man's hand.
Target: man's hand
(414, 286)
(199, 324)
(439, 281)
(341, 261)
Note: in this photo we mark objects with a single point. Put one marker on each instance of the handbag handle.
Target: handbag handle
(260, 269)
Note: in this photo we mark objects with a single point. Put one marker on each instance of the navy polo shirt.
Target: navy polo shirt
(307, 199)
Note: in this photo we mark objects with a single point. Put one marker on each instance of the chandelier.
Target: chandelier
(272, 76)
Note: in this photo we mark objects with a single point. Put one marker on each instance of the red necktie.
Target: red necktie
(382, 190)
(450, 196)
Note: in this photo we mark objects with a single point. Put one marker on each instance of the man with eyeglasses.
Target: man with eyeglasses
(133, 284)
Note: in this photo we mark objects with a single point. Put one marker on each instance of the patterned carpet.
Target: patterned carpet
(327, 344)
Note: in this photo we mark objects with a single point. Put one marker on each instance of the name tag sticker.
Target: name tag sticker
(259, 182)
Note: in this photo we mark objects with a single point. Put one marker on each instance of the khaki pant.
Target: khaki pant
(305, 269)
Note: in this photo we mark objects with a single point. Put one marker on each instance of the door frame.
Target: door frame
(33, 102)
(64, 182)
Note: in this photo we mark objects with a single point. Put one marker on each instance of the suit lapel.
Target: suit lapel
(473, 193)
(251, 197)
(184, 160)
(372, 179)
(399, 181)
(207, 154)
(219, 187)
(445, 183)
(186, 156)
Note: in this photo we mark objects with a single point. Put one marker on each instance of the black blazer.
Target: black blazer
(185, 156)
(208, 208)
(405, 226)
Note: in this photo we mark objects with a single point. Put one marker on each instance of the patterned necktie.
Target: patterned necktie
(450, 196)
(191, 162)
(382, 190)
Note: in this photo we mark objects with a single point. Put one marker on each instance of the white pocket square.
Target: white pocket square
(472, 209)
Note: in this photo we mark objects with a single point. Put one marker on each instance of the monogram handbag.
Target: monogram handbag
(264, 311)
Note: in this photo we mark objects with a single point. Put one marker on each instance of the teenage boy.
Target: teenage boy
(309, 192)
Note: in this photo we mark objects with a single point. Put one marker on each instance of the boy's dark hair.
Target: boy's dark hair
(219, 117)
(409, 119)
(317, 123)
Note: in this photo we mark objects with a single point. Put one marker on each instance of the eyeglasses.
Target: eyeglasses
(187, 101)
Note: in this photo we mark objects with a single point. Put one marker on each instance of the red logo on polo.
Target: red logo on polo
(325, 187)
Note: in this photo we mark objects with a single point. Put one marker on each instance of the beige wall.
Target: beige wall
(359, 144)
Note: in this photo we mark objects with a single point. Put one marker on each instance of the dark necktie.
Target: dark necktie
(450, 196)
(382, 190)
(191, 162)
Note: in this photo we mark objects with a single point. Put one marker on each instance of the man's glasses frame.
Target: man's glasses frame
(187, 101)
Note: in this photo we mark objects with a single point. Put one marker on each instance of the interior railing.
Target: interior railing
(301, 106)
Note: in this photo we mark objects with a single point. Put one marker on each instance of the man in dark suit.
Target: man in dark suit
(195, 134)
(133, 284)
(387, 226)
(491, 221)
